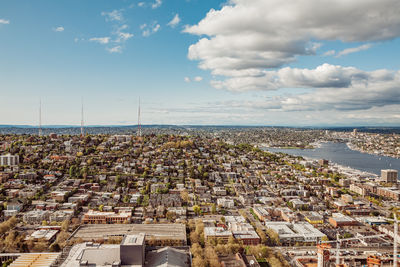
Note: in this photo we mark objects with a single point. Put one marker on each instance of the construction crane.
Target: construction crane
(338, 241)
(396, 230)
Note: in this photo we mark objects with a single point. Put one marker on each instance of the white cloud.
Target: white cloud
(59, 29)
(175, 21)
(329, 53)
(194, 79)
(118, 36)
(4, 21)
(156, 28)
(156, 4)
(115, 49)
(354, 50)
(100, 40)
(115, 15)
(245, 37)
(141, 4)
(148, 30)
(333, 88)
(123, 36)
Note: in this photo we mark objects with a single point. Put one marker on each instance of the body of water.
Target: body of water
(340, 153)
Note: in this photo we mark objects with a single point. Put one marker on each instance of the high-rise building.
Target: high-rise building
(389, 176)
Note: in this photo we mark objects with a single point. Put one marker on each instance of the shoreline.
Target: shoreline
(346, 170)
(354, 148)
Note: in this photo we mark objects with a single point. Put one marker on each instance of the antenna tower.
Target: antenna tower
(82, 125)
(139, 122)
(40, 117)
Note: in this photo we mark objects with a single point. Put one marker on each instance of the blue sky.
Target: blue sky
(259, 62)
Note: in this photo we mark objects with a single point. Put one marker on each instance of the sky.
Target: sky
(200, 62)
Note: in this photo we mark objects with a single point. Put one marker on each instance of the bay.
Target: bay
(341, 154)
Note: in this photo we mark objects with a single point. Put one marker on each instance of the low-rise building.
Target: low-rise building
(295, 232)
(36, 216)
(98, 217)
(9, 160)
(226, 203)
(261, 213)
(339, 220)
(218, 233)
(389, 192)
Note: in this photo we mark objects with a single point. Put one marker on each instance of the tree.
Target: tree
(213, 208)
(197, 209)
(273, 237)
(211, 256)
(262, 235)
(185, 196)
(196, 250)
(7, 225)
(199, 262)
(170, 215)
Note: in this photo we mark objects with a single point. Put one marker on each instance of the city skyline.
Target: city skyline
(200, 62)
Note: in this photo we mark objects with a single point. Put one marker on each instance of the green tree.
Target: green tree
(197, 209)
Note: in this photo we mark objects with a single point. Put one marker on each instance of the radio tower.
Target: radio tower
(40, 117)
(82, 126)
(139, 133)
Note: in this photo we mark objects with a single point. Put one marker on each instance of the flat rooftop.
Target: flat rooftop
(133, 240)
(91, 232)
(35, 259)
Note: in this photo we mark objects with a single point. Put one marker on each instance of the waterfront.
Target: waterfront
(341, 154)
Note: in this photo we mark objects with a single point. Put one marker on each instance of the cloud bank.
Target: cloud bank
(247, 45)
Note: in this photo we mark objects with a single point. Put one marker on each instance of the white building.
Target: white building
(295, 232)
(36, 216)
(9, 160)
(225, 203)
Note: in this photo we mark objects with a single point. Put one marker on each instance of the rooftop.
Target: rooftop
(35, 260)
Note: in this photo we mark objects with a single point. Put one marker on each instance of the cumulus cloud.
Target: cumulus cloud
(354, 50)
(245, 37)
(186, 79)
(115, 49)
(156, 4)
(198, 79)
(148, 30)
(175, 21)
(118, 36)
(59, 29)
(4, 21)
(333, 88)
(115, 15)
(100, 40)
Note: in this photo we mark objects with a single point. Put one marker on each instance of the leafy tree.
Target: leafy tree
(197, 209)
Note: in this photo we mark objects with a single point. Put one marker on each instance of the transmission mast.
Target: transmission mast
(82, 125)
(139, 132)
(40, 117)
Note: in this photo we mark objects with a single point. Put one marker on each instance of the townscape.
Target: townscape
(204, 199)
